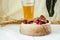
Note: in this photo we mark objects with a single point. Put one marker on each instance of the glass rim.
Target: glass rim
(29, 3)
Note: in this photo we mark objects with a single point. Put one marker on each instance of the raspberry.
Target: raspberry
(29, 21)
(24, 21)
(37, 22)
(43, 22)
(40, 23)
(36, 19)
(47, 21)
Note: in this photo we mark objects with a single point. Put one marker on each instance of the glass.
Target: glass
(28, 9)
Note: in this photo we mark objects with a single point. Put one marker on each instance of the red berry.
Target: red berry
(47, 21)
(43, 22)
(28, 22)
(24, 21)
(40, 22)
(37, 22)
(31, 22)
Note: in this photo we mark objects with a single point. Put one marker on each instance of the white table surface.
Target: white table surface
(11, 32)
